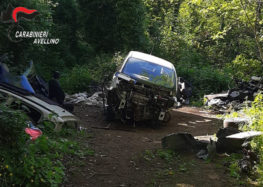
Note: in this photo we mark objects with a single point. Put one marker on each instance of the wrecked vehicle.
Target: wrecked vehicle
(144, 88)
(18, 93)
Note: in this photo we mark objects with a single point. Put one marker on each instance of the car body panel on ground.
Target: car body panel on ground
(37, 109)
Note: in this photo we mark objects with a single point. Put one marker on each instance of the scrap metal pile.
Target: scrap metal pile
(28, 92)
(236, 98)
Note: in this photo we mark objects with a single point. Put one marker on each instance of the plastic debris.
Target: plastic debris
(33, 131)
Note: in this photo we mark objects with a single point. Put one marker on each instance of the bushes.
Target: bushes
(204, 79)
(256, 114)
(244, 68)
(27, 163)
(12, 125)
(39, 164)
(81, 77)
(76, 80)
(103, 66)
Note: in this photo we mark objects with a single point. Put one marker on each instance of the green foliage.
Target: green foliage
(39, 164)
(221, 29)
(103, 66)
(204, 79)
(198, 103)
(76, 80)
(162, 23)
(234, 170)
(244, 68)
(183, 167)
(192, 36)
(131, 16)
(255, 114)
(99, 69)
(113, 25)
(33, 163)
(167, 155)
(12, 125)
(148, 155)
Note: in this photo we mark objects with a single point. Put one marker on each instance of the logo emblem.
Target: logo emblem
(13, 15)
(24, 11)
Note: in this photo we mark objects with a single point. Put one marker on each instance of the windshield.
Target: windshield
(150, 72)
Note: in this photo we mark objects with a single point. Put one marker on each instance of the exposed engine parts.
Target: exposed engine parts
(137, 102)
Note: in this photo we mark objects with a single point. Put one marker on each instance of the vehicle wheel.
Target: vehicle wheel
(167, 117)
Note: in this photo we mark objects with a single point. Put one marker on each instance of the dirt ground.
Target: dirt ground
(126, 155)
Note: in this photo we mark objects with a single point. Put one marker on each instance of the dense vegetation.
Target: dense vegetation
(210, 42)
(35, 163)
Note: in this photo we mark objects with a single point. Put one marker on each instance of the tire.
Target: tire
(167, 117)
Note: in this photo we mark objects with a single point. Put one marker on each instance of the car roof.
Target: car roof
(150, 58)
